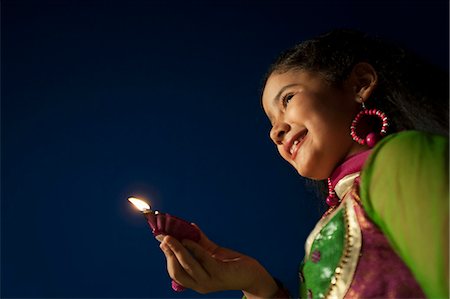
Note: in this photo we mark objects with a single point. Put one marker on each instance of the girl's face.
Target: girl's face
(311, 121)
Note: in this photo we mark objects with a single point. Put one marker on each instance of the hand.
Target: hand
(206, 267)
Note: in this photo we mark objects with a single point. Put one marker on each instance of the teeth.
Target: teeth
(294, 144)
(291, 150)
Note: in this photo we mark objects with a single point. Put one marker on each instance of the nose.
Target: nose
(278, 132)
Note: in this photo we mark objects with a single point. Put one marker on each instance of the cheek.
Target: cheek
(329, 125)
(324, 149)
(310, 157)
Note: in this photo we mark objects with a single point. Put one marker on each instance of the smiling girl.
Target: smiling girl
(370, 121)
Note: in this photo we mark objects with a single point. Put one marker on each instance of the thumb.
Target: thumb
(205, 242)
(217, 252)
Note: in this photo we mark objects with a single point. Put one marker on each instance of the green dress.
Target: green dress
(389, 235)
(404, 190)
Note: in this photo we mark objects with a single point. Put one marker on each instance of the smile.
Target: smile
(295, 145)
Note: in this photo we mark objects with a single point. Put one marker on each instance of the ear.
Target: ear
(364, 79)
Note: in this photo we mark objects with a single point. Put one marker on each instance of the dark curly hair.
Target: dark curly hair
(412, 92)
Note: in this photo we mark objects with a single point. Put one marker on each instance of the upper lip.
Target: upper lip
(288, 144)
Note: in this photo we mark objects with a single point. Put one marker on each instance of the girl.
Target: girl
(330, 100)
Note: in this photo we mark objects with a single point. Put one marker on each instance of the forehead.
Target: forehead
(278, 82)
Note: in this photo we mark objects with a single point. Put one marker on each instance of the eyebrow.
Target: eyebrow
(282, 90)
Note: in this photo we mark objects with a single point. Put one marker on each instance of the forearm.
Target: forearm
(269, 289)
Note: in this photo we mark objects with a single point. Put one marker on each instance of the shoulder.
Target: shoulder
(401, 171)
(404, 154)
(407, 144)
(402, 159)
(404, 189)
(402, 164)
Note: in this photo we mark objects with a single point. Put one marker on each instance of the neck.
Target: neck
(352, 164)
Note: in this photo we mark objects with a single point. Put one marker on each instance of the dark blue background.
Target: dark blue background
(159, 99)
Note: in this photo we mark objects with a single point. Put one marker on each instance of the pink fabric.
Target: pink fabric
(351, 165)
(177, 287)
(165, 224)
(380, 272)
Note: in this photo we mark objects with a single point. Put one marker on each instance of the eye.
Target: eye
(286, 99)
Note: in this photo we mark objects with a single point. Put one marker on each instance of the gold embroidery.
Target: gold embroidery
(344, 272)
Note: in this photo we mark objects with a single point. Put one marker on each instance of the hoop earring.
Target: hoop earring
(362, 131)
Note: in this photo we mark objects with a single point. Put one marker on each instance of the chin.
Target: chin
(313, 177)
(313, 173)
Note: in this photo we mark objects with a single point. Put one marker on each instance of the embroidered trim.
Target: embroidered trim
(319, 226)
(344, 272)
(342, 188)
(345, 184)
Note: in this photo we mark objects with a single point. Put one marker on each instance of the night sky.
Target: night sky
(101, 100)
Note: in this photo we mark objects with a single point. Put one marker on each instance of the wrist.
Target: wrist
(264, 287)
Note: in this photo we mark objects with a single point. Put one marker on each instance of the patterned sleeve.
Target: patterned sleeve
(404, 190)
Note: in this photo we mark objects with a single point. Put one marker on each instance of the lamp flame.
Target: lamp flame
(139, 204)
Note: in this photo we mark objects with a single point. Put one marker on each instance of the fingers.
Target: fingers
(181, 264)
(194, 267)
(174, 268)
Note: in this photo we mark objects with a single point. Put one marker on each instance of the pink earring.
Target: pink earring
(365, 127)
(363, 124)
